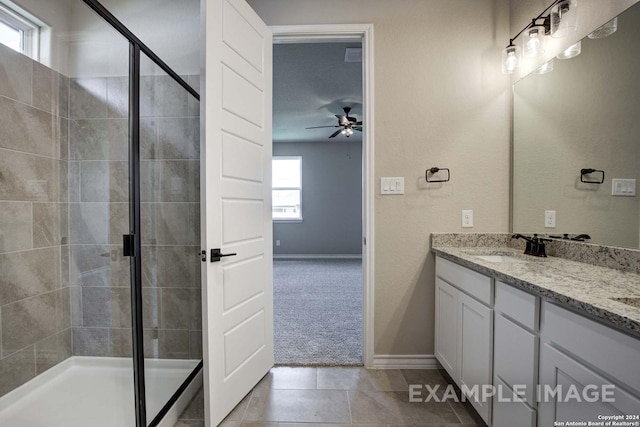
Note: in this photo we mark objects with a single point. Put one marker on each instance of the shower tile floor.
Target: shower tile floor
(339, 396)
(91, 391)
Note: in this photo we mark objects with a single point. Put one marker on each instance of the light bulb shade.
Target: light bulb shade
(606, 30)
(545, 68)
(571, 52)
(564, 18)
(510, 59)
(534, 42)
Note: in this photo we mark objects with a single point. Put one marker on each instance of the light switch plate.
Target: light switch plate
(392, 185)
(623, 187)
(467, 218)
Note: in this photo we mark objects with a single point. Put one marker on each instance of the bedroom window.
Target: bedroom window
(18, 32)
(287, 188)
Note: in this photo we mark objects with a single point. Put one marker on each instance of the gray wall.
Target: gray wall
(331, 199)
(34, 289)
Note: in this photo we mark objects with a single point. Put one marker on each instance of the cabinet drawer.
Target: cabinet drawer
(515, 355)
(612, 352)
(511, 414)
(520, 306)
(473, 283)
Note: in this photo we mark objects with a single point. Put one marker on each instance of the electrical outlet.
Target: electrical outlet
(549, 219)
(277, 242)
(467, 218)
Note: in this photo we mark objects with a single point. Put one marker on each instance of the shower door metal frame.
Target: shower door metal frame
(133, 241)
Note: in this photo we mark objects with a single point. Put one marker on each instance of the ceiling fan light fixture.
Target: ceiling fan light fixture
(346, 124)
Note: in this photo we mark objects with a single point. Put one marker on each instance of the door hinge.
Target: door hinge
(128, 245)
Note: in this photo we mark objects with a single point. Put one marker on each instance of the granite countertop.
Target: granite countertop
(585, 288)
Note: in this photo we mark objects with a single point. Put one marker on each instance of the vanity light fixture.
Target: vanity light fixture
(545, 68)
(535, 34)
(605, 30)
(510, 58)
(571, 52)
(534, 41)
(564, 18)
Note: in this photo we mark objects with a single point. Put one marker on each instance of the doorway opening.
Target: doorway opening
(318, 202)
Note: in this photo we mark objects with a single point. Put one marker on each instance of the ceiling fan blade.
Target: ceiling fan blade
(333, 135)
(359, 123)
(358, 129)
(318, 127)
(352, 119)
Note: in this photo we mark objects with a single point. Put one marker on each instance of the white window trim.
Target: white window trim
(289, 220)
(29, 29)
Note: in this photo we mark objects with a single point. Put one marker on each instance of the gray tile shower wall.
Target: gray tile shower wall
(170, 151)
(98, 217)
(35, 304)
(64, 284)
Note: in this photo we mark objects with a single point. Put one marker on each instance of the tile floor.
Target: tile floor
(325, 397)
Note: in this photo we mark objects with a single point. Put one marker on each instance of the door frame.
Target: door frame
(336, 33)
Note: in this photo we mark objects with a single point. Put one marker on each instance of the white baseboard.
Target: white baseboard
(405, 361)
(317, 256)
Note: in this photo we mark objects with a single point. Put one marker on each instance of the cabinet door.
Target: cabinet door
(446, 336)
(515, 356)
(475, 350)
(561, 372)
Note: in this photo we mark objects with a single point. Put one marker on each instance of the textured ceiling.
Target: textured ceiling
(311, 83)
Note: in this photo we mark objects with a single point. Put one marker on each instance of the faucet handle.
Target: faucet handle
(542, 248)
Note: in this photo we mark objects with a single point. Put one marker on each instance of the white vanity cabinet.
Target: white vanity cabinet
(492, 333)
(579, 353)
(464, 328)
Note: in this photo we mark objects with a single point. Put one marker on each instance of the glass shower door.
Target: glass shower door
(170, 233)
(65, 300)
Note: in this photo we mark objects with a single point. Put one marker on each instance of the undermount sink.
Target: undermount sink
(499, 258)
(632, 301)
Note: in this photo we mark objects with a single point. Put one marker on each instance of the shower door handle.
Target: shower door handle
(217, 255)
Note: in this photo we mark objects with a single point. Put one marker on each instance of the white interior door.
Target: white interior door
(236, 182)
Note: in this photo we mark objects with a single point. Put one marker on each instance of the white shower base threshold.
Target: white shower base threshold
(97, 392)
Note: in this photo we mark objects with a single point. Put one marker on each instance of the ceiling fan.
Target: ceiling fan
(346, 124)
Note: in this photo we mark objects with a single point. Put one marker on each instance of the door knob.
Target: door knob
(217, 255)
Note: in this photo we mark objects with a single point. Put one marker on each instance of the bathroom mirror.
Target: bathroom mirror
(585, 114)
